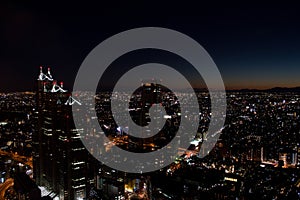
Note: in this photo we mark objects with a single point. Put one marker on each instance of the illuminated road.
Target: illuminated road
(10, 182)
(22, 159)
(4, 187)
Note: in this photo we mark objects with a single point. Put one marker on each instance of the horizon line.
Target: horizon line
(200, 88)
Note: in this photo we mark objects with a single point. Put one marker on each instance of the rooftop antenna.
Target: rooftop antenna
(41, 76)
(49, 73)
(71, 101)
(45, 89)
(57, 88)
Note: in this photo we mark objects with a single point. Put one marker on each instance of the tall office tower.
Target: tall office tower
(60, 161)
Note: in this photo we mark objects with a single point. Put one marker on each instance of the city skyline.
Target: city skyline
(255, 48)
(257, 154)
(122, 102)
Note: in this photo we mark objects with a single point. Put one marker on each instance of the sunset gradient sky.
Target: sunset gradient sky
(252, 47)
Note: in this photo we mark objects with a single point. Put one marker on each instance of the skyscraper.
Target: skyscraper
(60, 161)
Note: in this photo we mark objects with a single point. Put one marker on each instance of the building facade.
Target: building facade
(60, 161)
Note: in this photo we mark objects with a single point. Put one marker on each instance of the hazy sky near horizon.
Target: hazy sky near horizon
(252, 47)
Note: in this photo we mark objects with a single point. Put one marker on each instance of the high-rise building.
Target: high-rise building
(60, 161)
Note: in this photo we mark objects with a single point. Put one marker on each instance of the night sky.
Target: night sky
(252, 47)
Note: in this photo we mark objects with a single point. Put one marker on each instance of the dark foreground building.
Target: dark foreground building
(25, 187)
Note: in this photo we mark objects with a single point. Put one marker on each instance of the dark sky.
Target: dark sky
(252, 47)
